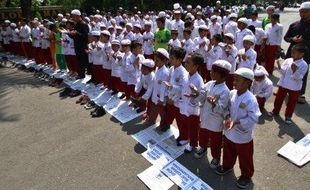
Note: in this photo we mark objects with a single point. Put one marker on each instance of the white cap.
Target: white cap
(148, 63)
(129, 24)
(249, 38)
(102, 25)
(13, 25)
(260, 71)
(177, 12)
(213, 17)
(118, 28)
(222, 64)
(116, 42)
(189, 6)
(305, 5)
(147, 23)
(176, 6)
(126, 42)
(87, 19)
(218, 2)
(270, 7)
(230, 35)
(245, 73)
(198, 7)
(203, 27)
(110, 27)
(60, 15)
(233, 15)
(163, 52)
(7, 22)
(243, 20)
(64, 20)
(161, 14)
(95, 33)
(76, 12)
(138, 26)
(105, 32)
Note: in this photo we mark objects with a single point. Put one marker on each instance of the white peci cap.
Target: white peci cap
(76, 12)
(106, 33)
(245, 73)
(249, 38)
(115, 42)
(222, 65)
(305, 5)
(230, 35)
(163, 52)
(243, 20)
(148, 63)
(126, 42)
(260, 71)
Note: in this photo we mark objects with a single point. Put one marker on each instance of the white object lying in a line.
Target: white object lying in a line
(157, 156)
(154, 179)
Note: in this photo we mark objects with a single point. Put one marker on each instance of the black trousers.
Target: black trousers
(82, 60)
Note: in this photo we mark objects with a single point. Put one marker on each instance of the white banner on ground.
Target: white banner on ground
(179, 174)
(157, 157)
(151, 136)
(154, 179)
(296, 153)
(199, 185)
(170, 146)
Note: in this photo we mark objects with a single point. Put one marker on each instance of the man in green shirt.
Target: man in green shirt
(270, 10)
(162, 34)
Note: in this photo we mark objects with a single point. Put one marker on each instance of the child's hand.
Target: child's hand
(298, 39)
(193, 88)
(168, 84)
(188, 95)
(294, 67)
(228, 124)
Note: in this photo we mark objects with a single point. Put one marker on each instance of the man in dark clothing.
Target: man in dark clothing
(298, 32)
(80, 37)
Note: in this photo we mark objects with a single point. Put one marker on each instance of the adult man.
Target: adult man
(80, 37)
(298, 32)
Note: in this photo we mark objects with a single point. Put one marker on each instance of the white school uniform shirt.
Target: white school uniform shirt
(243, 108)
(274, 34)
(175, 43)
(90, 48)
(231, 27)
(215, 29)
(138, 37)
(195, 32)
(128, 36)
(15, 35)
(199, 22)
(204, 49)
(45, 44)
(187, 106)
(188, 45)
(231, 56)
(133, 71)
(213, 55)
(178, 78)
(5, 39)
(119, 37)
(213, 118)
(260, 35)
(9, 33)
(180, 26)
(97, 53)
(36, 36)
(159, 88)
(290, 80)
(116, 64)
(124, 75)
(250, 60)
(262, 89)
(25, 33)
(67, 45)
(148, 48)
(256, 23)
(146, 82)
(106, 51)
(240, 35)
(225, 20)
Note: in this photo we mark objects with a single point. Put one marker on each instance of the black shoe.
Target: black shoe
(140, 110)
(165, 128)
(122, 96)
(65, 92)
(75, 93)
(100, 112)
(243, 183)
(93, 111)
(114, 92)
(221, 171)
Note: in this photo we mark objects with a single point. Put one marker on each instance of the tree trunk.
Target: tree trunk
(26, 8)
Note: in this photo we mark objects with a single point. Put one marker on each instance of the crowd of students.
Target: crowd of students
(210, 74)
